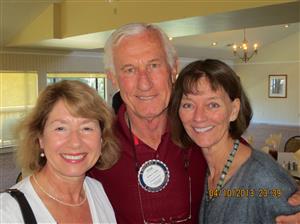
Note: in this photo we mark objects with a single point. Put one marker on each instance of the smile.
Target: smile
(73, 157)
(145, 98)
(201, 130)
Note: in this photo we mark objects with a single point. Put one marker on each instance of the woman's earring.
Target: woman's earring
(42, 154)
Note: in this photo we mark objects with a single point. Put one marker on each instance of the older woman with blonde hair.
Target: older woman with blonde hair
(67, 133)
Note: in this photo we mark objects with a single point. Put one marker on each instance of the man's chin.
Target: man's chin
(150, 115)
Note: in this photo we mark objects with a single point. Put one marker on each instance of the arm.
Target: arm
(294, 200)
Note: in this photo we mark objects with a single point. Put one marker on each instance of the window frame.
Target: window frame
(9, 144)
(80, 75)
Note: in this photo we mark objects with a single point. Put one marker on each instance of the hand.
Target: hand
(287, 219)
(295, 198)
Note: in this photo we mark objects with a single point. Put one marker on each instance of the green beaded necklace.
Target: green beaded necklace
(225, 170)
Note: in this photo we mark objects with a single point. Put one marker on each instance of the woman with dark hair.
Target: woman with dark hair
(210, 108)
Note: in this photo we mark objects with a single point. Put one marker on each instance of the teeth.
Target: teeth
(72, 157)
(145, 97)
(203, 129)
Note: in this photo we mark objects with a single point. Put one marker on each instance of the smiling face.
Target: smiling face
(143, 74)
(206, 114)
(72, 145)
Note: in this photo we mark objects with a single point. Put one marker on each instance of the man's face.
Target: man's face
(143, 74)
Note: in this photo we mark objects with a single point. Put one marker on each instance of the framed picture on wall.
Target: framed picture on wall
(277, 86)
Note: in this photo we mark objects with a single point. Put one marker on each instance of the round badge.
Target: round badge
(153, 176)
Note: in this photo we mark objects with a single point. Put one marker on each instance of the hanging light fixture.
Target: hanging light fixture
(245, 55)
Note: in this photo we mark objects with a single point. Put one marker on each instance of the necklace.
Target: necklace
(224, 171)
(55, 199)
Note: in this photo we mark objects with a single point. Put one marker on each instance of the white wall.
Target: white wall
(281, 57)
(185, 61)
(46, 62)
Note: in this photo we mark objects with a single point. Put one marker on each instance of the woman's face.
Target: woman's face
(72, 145)
(206, 115)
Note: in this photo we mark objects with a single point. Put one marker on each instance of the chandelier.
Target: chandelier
(244, 54)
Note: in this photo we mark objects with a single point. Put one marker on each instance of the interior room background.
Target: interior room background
(271, 115)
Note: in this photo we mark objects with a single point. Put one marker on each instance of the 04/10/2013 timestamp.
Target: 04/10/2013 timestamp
(245, 193)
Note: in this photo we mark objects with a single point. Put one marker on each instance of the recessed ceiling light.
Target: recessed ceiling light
(286, 25)
(170, 38)
(214, 43)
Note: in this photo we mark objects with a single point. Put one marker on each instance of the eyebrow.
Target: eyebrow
(185, 96)
(125, 66)
(150, 61)
(154, 60)
(58, 120)
(85, 120)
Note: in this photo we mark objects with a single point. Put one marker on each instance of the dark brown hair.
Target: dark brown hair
(219, 75)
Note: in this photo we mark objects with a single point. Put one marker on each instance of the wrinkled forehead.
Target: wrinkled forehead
(139, 49)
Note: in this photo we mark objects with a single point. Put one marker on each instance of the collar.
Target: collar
(124, 127)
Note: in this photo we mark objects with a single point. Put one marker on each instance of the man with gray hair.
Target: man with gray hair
(155, 181)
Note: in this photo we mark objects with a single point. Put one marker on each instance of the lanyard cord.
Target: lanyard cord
(187, 153)
(137, 166)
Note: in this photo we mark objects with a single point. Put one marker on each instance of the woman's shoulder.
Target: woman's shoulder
(264, 171)
(93, 183)
(99, 200)
(22, 185)
(266, 164)
(10, 211)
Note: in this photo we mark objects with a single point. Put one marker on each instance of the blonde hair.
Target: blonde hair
(82, 101)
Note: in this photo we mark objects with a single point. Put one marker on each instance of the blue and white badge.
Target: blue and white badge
(153, 176)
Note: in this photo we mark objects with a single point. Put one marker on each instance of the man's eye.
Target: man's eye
(154, 65)
(129, 70)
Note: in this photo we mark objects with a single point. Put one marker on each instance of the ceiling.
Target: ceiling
(52, 25)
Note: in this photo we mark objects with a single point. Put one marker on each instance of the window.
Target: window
(17, 96)
(95, 80)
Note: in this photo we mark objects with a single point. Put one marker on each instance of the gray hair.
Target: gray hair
(131, 30)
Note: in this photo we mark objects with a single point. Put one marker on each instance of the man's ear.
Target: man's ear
(174, 71)
(113, 79)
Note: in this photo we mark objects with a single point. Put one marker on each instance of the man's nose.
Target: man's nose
(144, 80)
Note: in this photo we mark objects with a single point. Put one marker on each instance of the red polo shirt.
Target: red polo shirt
(121, 182)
